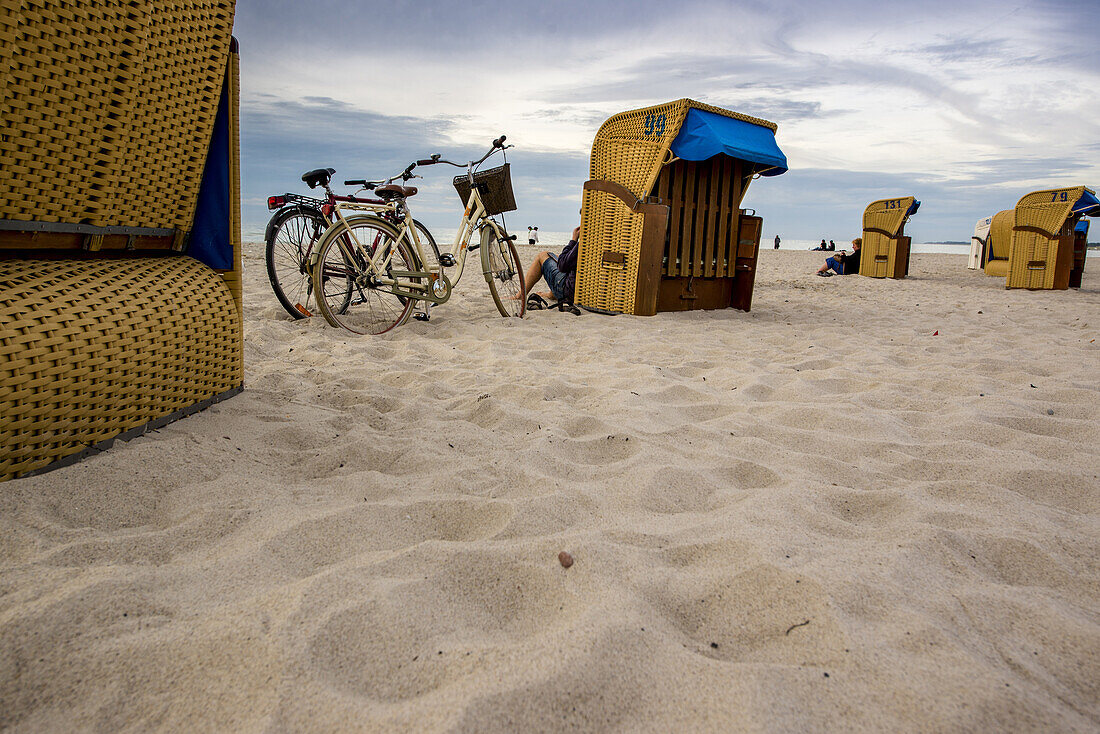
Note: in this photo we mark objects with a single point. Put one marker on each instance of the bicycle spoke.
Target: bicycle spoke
(349, 276)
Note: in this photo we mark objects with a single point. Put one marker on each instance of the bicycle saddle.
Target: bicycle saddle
(318, 176)
(393, 191)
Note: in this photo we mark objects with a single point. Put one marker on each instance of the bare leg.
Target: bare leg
(534, 274)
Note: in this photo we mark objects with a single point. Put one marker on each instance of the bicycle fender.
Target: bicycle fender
(282, 214)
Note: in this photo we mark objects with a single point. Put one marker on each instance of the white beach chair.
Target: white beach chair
(978, 243)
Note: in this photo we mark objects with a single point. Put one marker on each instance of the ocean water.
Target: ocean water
(554, 240)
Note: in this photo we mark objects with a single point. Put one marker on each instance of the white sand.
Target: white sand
(367, 538)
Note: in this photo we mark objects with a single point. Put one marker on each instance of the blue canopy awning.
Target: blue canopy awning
(913, 209)
(1088, 206)
(1082, 227)
(704, 135)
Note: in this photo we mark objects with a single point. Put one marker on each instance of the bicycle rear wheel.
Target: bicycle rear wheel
(292, 235)
(343, 263)
(503, 272)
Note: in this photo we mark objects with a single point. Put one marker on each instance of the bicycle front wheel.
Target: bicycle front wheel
(503, 272)
(344, 266)
(293, 233)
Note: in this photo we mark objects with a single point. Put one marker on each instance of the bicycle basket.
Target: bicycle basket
(495, 185)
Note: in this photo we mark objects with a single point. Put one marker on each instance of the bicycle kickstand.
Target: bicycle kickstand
(425, 314)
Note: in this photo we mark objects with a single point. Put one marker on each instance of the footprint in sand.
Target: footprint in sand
(416, 635)
(756, 616)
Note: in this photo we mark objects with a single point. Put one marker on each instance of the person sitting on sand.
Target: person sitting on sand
(822, 246)
(842, 263)
(559, 271)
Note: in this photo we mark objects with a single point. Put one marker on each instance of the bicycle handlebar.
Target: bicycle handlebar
(369, 185)
(498, 144)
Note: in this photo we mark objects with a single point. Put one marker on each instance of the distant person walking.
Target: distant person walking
(530, 235)
(535, 236)
(777, 242)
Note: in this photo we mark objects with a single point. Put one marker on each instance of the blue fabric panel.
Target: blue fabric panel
(706, 134)
(210, 242)
(1082, 227)
(913, 209)
(1088, 205)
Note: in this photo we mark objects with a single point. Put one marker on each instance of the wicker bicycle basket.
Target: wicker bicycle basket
(495, 185)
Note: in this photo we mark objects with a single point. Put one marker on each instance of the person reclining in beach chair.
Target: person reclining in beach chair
(842, 263)
(560, 273)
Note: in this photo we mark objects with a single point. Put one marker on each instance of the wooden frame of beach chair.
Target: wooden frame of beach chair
(1042, 254)
(885, 249)
(1080, 253)
(120, 275)
(663, 234)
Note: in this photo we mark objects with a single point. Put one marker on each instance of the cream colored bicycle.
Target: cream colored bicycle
(378, 255)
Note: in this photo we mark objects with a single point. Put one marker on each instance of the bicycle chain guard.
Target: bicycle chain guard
(439, 290)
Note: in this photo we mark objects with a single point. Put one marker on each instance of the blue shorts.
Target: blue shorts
(833, 263)
(554, 277)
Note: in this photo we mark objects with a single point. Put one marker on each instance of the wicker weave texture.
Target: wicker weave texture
(92, 348)
(108, 106)
(1047, 210)
(882, 222)
(1000, 235)
(1034, 259)
(1038, 246)
(630, 148)
(887, 215)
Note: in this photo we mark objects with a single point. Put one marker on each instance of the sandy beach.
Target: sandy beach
(865, 505)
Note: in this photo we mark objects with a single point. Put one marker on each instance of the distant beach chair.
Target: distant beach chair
(1044, 253)
(978, 242)
(661, 223)
(120, 277)
(885, 250)
(998, 244)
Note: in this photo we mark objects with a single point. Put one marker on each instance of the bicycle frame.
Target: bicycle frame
(438, 287)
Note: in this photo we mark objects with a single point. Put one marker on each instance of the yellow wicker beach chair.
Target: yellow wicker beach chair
(1043, 253)
(998, 244)
(120, 277)
(885, 250)
(661, 223)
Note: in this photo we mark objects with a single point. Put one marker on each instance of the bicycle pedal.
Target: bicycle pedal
(471, 248)
(421, 316)
(447, 260)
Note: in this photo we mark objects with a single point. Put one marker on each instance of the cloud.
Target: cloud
(968, 106)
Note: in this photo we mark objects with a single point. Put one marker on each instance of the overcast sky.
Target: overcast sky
(966, 106)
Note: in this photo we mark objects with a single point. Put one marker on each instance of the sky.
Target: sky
(965, 105)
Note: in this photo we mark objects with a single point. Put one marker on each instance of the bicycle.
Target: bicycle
(294, 230)
(379, 253)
